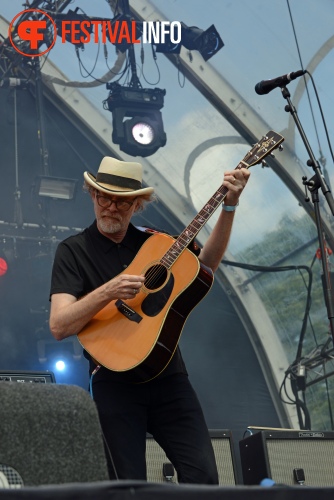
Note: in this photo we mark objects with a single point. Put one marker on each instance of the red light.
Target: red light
(3, 266)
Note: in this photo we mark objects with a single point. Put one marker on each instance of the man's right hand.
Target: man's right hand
(124, 286)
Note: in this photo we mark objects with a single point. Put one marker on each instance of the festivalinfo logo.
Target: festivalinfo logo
(27, 35)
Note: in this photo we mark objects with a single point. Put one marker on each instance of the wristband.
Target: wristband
(230, 208)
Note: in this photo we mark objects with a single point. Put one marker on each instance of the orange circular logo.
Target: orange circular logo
(30, 32)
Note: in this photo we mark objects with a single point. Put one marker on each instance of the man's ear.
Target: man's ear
(138, 205)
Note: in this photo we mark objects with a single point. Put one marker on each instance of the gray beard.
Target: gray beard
(109, 226)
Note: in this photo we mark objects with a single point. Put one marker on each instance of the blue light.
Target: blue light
(60, 365)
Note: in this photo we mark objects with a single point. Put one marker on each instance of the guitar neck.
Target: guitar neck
(260, 150)
(191, 231)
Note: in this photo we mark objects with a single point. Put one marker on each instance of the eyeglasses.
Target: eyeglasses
(121, 205)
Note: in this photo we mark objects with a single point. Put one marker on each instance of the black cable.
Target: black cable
(89, 73)
(121, 72)
(282, 269)
(142, 59)
(180, 72)
(322, 115)
(300, 406)
(283, 386)
(302, 66)
(306, 314)
(329, 400)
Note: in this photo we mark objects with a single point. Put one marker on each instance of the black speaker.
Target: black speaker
(49, 434)
(24, 377)
(288, 457)
(159, 467)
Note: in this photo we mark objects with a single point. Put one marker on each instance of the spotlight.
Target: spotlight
(57, 188)
(60, 365)
(142, 132)
(51, 351)
(208, 42)
(137, 121)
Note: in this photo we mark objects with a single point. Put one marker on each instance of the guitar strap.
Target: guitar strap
(147, 229)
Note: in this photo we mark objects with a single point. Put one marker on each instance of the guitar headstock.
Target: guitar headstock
(263, 148)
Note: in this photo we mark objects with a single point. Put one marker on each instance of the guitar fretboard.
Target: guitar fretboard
(189, 233)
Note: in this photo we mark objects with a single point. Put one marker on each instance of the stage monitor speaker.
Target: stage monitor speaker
(49, 434)
(159, 467)
(288, 457)
(24, 377)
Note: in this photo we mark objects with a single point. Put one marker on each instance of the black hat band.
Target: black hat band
(117, 180)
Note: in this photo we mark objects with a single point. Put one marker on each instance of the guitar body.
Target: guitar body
(138, 337)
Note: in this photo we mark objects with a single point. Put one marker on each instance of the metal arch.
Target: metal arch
(198, 150)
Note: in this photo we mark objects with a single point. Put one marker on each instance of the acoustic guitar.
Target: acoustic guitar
(138, 337)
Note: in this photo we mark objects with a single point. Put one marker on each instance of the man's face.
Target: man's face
(113, 213)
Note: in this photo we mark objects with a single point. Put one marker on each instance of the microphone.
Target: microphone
(266, 86)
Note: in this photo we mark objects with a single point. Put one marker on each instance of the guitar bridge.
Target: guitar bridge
(127, 311)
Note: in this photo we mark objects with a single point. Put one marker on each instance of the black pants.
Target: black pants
(167, 408)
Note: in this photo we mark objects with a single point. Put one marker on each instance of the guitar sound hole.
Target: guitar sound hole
(155, 277)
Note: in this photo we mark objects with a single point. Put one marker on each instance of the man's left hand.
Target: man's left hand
(235, 181)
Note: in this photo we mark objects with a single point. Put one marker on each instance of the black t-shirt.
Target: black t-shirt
(86, 261)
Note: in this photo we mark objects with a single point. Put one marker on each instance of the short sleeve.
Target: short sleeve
(66, 276)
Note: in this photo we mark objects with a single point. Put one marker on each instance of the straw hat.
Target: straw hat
(117, 177)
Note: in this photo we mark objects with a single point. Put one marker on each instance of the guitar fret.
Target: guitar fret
(184, 240)
(208, 209)
(197, 224)
(175, 251)
(167, 260)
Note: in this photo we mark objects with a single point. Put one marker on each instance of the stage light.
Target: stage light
(58, 188)
(208, 42)
(137, 121)
(142, 132)
(60, 365)
(52, 351)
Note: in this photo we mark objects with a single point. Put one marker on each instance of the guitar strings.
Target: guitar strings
(157, 271)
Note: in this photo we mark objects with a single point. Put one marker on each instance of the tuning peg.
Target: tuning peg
(264, 163)
(280, 147)
(272, 155)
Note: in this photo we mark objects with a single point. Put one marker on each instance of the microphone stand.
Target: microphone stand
(313, 185)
